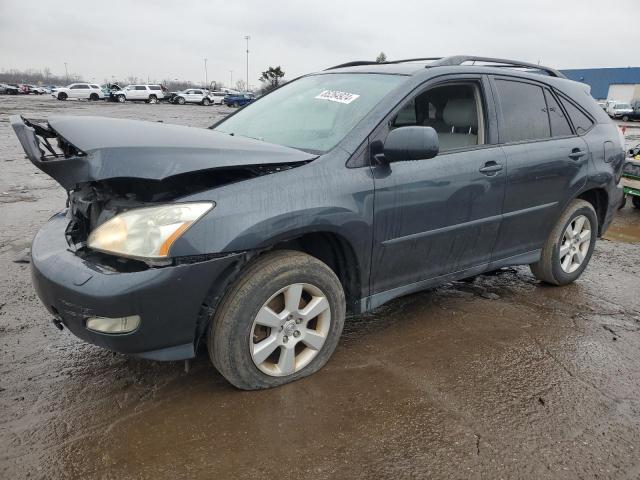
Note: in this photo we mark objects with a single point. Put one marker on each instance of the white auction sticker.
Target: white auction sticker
(337, 96)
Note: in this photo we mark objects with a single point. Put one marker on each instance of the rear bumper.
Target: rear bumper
(616, 196)
(168, 299)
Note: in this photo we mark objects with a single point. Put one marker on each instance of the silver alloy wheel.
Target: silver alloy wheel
(575, 244)
(290, 329)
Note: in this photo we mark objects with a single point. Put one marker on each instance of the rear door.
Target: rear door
(547, 163)
(79, 90)
(439, 216)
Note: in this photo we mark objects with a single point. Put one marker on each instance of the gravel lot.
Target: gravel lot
(494, 377)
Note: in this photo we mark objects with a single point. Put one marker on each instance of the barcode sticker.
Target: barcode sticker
(337, 96)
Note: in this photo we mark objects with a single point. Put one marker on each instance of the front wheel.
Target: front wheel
(62, 96)
(567, 251)
(180, 101)
(236, 104)
(121, 98)
(625, 118)
(206, 102)
(153, 99)
(279, 322)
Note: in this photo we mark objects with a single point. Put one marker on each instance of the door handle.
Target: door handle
(576, 153)
(490, 168)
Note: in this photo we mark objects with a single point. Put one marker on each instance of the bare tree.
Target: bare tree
(241, 85)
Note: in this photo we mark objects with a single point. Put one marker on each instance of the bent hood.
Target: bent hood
(75, 150)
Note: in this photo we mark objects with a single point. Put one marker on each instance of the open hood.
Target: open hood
(76, 150)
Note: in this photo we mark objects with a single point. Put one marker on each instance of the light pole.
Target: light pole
(206, 76)
(231, 81)
(247, 38)
(66, 71)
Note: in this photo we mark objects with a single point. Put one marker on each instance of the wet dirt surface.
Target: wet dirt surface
(494, 377)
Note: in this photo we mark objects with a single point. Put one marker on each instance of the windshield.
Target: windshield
(313, 113)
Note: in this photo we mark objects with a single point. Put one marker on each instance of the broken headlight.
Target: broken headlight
(146, 233)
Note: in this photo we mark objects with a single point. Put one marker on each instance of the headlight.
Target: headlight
(146, 232)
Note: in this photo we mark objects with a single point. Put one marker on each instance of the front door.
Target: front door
(439, 216)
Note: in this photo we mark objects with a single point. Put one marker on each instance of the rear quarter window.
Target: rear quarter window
(154, 87)
(581, 122)
(524, 112)
(559, 124)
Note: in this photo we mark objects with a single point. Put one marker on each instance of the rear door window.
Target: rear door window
(580, 121)
(559, 124)
(140, 87)
(524, 112)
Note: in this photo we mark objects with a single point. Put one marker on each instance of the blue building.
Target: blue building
(609, 83)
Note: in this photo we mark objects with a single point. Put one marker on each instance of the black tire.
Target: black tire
(206, 102)
(548, 269)
(236, 104)
(94, 97)
(180, 101)
(230, 329)
(62, 96)
(625, 118)
(153, 99)
(636, 201)
(121, 98)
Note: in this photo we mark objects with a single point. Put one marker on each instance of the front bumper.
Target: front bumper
(168, 299)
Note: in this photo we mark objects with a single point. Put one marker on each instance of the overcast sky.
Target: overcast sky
(165, 39)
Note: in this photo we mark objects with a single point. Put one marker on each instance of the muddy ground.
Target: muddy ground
(496, 377)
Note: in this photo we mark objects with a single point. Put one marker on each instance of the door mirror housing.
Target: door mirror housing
(411, 143)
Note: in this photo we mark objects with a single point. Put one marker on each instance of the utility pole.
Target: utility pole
(66, 71)
(247, 38)
(231, 81)
(206, 76)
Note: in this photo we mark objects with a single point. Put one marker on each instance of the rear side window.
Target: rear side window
(524, 112)
(95, 86)
(559, 124)
(140, 87)
(580, 121)
(154, 87)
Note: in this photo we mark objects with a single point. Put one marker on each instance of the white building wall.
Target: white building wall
(623, 93)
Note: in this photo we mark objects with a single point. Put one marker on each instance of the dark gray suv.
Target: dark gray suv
(335, 193)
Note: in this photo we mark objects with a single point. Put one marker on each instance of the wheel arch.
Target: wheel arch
(599, 199)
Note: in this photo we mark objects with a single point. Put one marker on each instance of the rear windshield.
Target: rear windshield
(313, 113)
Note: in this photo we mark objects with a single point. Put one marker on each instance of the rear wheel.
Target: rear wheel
(62, 96)
(567, 251)
(121, 98)
(206, 102)
(625, 118)
(94, 97)
(153, 99)
(236, 104)
(180, 101)
(279, 322)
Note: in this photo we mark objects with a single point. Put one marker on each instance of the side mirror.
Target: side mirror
(411, 143)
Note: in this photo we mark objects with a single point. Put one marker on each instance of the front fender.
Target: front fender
(321, 196)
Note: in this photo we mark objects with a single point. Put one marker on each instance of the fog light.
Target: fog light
(113, 325)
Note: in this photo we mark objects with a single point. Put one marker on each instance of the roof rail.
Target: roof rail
(460, 59)
(358, 63)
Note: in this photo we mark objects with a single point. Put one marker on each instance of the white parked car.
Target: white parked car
(193, 95)
(88, 91)
(619, 109)
(217, 97)
(146, 93)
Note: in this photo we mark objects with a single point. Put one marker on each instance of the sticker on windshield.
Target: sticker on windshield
(337, 96)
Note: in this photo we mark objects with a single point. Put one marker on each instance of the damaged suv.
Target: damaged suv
(335, 193)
